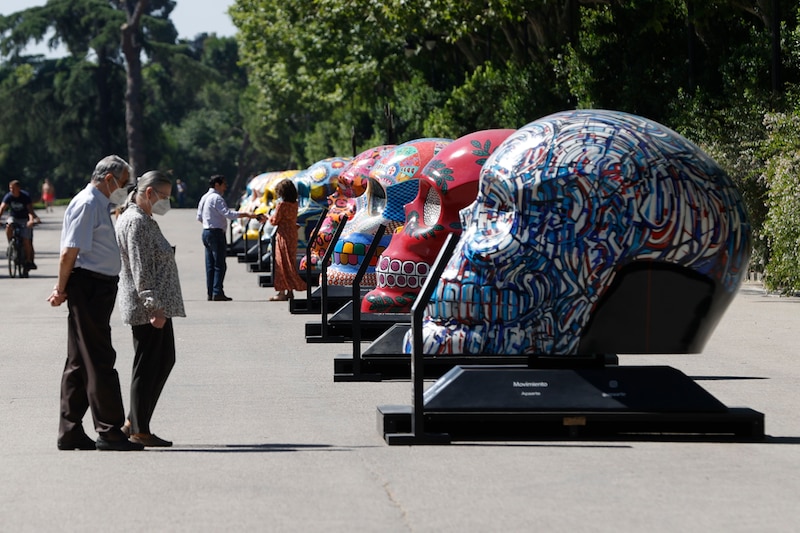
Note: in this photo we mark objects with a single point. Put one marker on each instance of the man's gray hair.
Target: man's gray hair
(111, 163)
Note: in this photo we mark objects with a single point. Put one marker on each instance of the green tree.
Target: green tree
(782, 225)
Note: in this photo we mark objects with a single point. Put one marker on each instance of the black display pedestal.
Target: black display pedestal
(561, 398)
(504, 403)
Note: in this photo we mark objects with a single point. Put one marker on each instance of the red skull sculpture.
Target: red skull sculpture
(448, 183)
(392, 184)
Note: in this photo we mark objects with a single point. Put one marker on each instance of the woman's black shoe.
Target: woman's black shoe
(118, 445)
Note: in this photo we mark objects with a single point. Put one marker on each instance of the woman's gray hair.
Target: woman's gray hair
(112, 163)
(152, 178)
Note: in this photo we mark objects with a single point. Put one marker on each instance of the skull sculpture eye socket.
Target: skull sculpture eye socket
(377, 198)
(432, 208)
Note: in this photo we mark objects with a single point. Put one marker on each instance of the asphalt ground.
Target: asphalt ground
(265, 440)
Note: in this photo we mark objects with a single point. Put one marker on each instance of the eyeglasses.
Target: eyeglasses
(162, 196)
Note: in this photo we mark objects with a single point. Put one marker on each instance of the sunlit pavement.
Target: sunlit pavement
(265, 440)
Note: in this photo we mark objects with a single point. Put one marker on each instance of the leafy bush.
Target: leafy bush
(782, 225)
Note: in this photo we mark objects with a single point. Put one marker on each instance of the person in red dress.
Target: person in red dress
(284, 247)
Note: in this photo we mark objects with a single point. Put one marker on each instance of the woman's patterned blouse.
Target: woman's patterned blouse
(149, 275)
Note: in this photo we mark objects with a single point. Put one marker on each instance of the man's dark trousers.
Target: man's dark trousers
(216, 253)
(89, 379)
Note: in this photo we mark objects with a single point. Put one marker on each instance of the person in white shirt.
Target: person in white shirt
(214, 213)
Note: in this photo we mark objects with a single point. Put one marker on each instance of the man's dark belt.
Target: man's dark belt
(96, 275)
(213, 229)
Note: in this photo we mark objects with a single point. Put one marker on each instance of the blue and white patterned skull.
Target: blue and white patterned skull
(563, 204)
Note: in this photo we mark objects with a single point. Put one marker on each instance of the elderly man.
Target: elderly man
(88, 273)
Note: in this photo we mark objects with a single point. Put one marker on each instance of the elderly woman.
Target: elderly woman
(149, 296)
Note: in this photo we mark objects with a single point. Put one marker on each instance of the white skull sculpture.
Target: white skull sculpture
(565, 205)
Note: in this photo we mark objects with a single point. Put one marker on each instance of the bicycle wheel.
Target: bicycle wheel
(22, 268)
(12, 259)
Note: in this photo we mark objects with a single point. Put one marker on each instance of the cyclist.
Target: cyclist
(20, 211)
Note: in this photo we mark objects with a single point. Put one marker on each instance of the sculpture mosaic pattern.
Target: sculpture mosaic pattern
(563, 204)
(350, 184)
(314, 185)
(448, 183)
(392, 184)
(259, 197)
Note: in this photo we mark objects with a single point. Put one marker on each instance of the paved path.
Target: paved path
(265, 440)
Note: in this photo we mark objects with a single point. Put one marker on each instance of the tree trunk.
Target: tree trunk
(102, 77)
(243, 170)
(132, 48)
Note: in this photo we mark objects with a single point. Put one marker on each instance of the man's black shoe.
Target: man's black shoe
(81, 443)
(118, 445)
(31, 266)
(221, 298)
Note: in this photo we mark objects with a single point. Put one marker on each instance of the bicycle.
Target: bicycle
(16, 254)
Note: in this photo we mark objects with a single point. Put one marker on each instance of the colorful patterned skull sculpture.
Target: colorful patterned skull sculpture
(587, 220)
(269, 197)
(259, 197)
(314, 185)
(392, 184)
(350, 184)
(446, 185)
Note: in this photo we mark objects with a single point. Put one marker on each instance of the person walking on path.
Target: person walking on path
(213, 213)
(149, 296)
(88, 272)
(48, 195)
(180, 187)
(284, 246)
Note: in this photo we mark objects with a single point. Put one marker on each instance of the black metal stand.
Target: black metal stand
(584, 398)
(385, 358)
(307, 307)
(242, 256)
(264, 251)
(344, 324)
(231, 248)
(319, 332)
(357, 374)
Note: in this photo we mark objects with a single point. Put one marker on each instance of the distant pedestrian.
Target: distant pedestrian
(48, 195)
(213, 213)
(284, 246)
(88, 272)
(180, 188)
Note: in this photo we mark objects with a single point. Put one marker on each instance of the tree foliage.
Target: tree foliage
(72, 110)
(309, 79)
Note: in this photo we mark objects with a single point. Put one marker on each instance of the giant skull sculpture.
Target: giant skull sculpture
(350, 184)
(593, 232)
(448, 183)
(392, 184)
(314, 185)
(259, 197)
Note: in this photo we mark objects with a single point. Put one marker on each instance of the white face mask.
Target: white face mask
(119, 195)
(160, 207)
